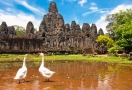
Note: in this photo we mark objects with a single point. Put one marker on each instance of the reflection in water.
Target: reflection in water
(72, 76)
(35, 85)
(102, 84)
(69, 88)
(10, 86)
(81, 87)
(47, 88)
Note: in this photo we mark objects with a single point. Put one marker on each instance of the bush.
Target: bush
(113, 50)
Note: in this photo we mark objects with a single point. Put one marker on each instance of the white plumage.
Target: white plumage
(45, 72)
(22, 72)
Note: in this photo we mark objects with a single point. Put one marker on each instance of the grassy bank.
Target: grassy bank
(31, 57)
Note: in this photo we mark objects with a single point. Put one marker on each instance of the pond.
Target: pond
(75, 75)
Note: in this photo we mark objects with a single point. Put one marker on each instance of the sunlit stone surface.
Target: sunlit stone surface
(53, 36)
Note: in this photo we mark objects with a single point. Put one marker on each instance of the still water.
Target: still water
(69, 76)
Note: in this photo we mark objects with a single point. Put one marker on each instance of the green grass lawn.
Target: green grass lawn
(34, 57)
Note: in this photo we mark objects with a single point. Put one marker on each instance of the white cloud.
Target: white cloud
(94, 9)
(101, 23)
(81, 2)
(93, 6)
(20, 19)
(120, 7)
(33, 9)
(86, 13)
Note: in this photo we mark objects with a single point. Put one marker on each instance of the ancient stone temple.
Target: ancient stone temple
(27, 42)
(59, 36)
(100, 32)
(53, 21)
(55, 36)
(30, 29)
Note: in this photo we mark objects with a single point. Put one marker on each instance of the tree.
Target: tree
(113, 50)
(122, 27)
(110, 18)
(106, 40)
(19, 30)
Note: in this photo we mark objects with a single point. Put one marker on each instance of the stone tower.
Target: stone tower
(53, 36)
(100, 32)
(29, 29)
(3, 30)
(86, 29)
(93, 32)
(53, 21)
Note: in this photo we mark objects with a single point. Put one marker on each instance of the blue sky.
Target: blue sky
(19, 12)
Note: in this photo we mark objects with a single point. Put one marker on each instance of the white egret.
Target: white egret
(22, 72)
(45, 72)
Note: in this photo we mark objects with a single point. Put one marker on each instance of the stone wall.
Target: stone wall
(53, 35)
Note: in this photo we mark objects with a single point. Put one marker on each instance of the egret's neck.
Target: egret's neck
(24, 64)
(42, 64)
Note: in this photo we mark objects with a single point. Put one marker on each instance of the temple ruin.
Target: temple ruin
(53, 36)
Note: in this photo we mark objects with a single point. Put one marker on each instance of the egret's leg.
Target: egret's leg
(46, 79)
(19, 82)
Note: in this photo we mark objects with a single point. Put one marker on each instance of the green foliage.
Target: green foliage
(121, 42)
(19, 30)
(107, 41)
(78, 57)
(113, 50)
(122, 28)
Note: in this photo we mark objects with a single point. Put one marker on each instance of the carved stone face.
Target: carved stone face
(53, 7)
